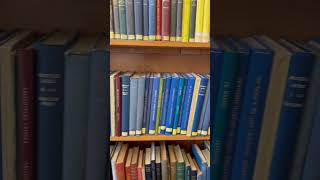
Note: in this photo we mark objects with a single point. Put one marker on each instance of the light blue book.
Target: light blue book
(140, 103)
(154, 103)
(133, 104)
(201, 160)
(152, 20)
(164, 106)
(178, 104)
(206, 119)
(172, 103)
(203, 111)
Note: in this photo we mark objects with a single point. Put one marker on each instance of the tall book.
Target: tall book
(159, 17)
(158, 163)
(253, 104)
(125, 103)
(173, 20)
(165, 20)
(114, 160)
(76, 114)
(186, 20)
(134, 163)
(200, 160)
(166, 93)
(140, 165)
(145, 19)
(154, 104)
(133, 104)
(180, 163)
(199, 172)
(187, 167)
(118, 104)
(149, 104)
(182, 103)
(138, 19)
(116, 20)
(153, 160)
(203, 111)
(152, 20)
(145, 103)
(199, 20)
(206, 119)
(113, 103)
(128, 164)
(50, 105)
(206, 154)
(178, 105)
(193, 175)
(120, 163)
(293, 105)
(278, 80)
(179, 20)
(130, 19)
(172, 103)
(140, 103)
(206, 22)
(164, 161)
(173, 163)
(159, 108)
(122, 19)
(147, 164)
(111, 21)
(193, 22)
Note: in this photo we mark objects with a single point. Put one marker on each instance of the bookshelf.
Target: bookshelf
(158, 44)
(160, 138)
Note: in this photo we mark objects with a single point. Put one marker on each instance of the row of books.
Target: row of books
(266, 108)
(159, 103)
(160, 162)
(53, 106)
(174, 20)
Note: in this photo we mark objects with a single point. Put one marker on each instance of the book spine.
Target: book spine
(193, 175)
(164, 170)
(187, 106)
(173, 20)
(186, 20)
(118, 105)
(165, 19)
(206, 119)
(181, 105)
(158, 171)
(202, 164)
(159, 10)
(112, 106)
(179, 20)
(173, 171)
(298, 81)
(152, 20)
(134, 172)
(154, 104)
(128, 173)
(111, 21)
(178, 105)
(192, 27)
(160, 99)
(122, 19)
(25, 115)
(145, 19)
(203, 111)
(180, 171)
(166, 93)
(153, 170)
(148, 173)
(145, 106)
(138, 19)
(199, 20)
(140, 104)
(187, 173)
(130, 19)
(116, 20)
(149, 105)
(133, 106)
(139, 174)
(120, 169)
(206, 22)
(125, 104)
(171, 104)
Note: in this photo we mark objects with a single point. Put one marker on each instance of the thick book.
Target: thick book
(159, 17)
(147, 164)
(138, 19)
(203, 111)
(76, 110)
(193, 173)
(182, 103)
(125, 103)
(165, 20)
(140, 165)
(166, 93)
(140, 103)
(178, 104)
(193, 22)
(186, 20)
(145, 104)
(154, 103)
(152, 19)
(145, 19)
(164, 161)
(122, 19)
(293, 105)
(114, 160)
(118, 105)
(130, 19)
(180, 163)
(173, 20)
(200, 160)
(133, 104)
(159, 108)
(128, 164)
(50, 105)
(253, 104)
(26, 122)
(153, 160)
(113, 103)
(148, 115)
(206, 22)
(179, 20)
(158, 163)
(172, 103)
(173, 163)
(187, 166)
(199, 20)
(116, 20)
(120, 162)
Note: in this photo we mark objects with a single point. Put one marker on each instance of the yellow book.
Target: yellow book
(193, 104)
(186, 20)
(199, 21)
(206, 22)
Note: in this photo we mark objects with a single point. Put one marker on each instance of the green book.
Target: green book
(180, 163)
(159, 104)
(187, 167)
(122, 18)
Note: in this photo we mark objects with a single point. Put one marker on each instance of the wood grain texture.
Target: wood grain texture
(158, 44)
(160, 138)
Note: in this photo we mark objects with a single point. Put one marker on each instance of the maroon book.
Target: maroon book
(165, 20)
(25, 63)
(118, 105)
(159, 10)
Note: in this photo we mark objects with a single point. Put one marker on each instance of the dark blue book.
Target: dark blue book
(164, 105)
(298, 81)
(201, 160)
(152, 20)
(254, 98)
(125, 103)
(154, 103)
(50, 105)
(206, 118)
(149, 103)
(145, 19)
(182, 102)
(138, 19)
(203, 111)
(172, 103)
(178, 105)
(145, 104)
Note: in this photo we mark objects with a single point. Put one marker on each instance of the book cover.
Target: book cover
(122, 19)
(159, 16)
(145, 19)
(199, 172)
(145, 105)
(160, 99)
(182, 103)
(128, 164)
(206, 119)
(125, 103)
(154, 104)
(186, 20)
(180, 163)
(199, 20)
(172, 103)
(206, 22)
(178, 104)
(165, 20)
(120, 162)
(173, 163)
(140, 103)
(203, 111)
(138, 19)
(130, 19)
(166, 93)
(164, 161)
(206, 154)
(193, 22)
(173, 20)
(149, 104)
(133, 104)
(118, 104)
(116, 20)
(200, 160)
(152, 20)
(179, 20)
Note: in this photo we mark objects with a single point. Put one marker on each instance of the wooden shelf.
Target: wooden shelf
(160, 138)
(158, 44)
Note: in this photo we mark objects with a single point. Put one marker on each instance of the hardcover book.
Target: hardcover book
(130, 19)
(173, 20)
(122, 19)
(125, 103)
(138, 19)
(186, 20)
(145, 19)
(165, 20)
(116, 19)
(152, 20)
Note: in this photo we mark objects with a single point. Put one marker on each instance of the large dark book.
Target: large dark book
(118, 105)
(173, 20)
(125, 103)
(147, 164)
(193, 12)
(77, 63)
(130, 19)
(158, 163)
(153, 161)
(165, 20)
(50, 103)
(138, 19)
(179, 20)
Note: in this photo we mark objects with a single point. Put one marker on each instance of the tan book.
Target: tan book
(193, 167)
(114, 159)
(140, 165)
(128, 164)
(143, 171)
(120, 163)
(164, 161)
(173, 162)
(113, 104)
(111, 150)
(272, 110)
(134, 163)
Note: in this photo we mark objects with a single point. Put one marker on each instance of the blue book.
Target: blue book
(172, 103)
(138, 18)
(149, 103)
(145, 104)
(243, 53)
(254, 98)
(140, 103)
(182, 102)
(206, 118)
(187, 103)
(133, 104)
(154, 103)
(97, 151)
(152, 20)
(164, 105)
(125, 103)
(178, 104)
(203, 111)
(201, 160)
(50, 109)
(298, 81)
(145, 19)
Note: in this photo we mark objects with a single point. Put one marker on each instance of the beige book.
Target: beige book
(199, 172)
(114, 159)
(192, 165)
(272, 111)
(173, 163)
(164, 161)
(113, 103)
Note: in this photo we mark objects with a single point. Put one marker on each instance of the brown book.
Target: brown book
(120, 164)
(134, 163)
(140, 165)
(118, 105)
(128, 164)
(158, 24)
(173, 163)
(164, 161)
(165, 19)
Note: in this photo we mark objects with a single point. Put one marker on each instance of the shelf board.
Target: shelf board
(160, 138)
(158, 44)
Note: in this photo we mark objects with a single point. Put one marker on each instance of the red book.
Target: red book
(118, 105)
(25, 63)
(165, 20)
(128, 164)
(120, 164)
(134, 163)
(140, 165)
(158, 28)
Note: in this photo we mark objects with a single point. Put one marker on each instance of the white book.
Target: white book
(113, 104)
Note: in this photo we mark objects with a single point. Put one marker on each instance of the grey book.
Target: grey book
(140, 103)
(173, 20)
(193, 12)
(138, 19)
(116, 24)
(130, 19)
(111, 20)
(122, 19)
(179, 20)
(145, 20)
(133, 104)
(203, 112)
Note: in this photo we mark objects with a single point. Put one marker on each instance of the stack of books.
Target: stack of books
(159, 103)
(166, 20)
(160, 161)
